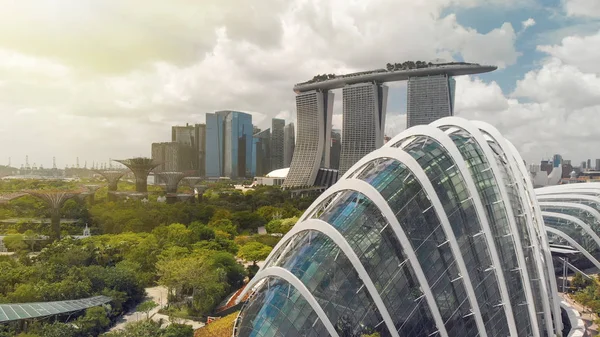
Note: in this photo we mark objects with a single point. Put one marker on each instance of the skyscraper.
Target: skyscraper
(191, 136)
(277, 136)
(336, 148)
(172, 157)
(200, 130)
(589, 164)
(429, 98)
(289, 144)
(214, 145)
(597, 165)
(261, 153)
(363, 122)
(237, 144)
(185, 135)
(314, 137)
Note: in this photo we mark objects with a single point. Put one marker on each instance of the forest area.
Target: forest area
(201, 252)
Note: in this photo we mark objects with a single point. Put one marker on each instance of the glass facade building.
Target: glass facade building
(572, 216)
(429, 98)
(214, 152)
(277, 140)
(314, 109)
(261, 153)
(437, 233)
(363, 121)
(289, 144)
(237, 144)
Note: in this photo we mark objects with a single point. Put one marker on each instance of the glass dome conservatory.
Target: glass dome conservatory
(435, 234)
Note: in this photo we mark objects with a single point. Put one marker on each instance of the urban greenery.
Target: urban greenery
(200, 252)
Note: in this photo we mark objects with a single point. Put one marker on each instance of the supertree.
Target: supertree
(55, 200)
(171, 180)
(141, 168)
(91, 192)
(5, 198)
(112, 177)
(192, 182)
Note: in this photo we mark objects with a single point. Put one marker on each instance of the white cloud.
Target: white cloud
(105, 79)
(579, 51)
(527, 23)
(586, 8)
(553, 109)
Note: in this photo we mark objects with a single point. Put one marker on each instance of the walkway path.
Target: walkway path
(586, 314)
(158, 295)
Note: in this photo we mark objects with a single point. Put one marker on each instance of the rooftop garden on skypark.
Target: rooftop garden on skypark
(390, 67)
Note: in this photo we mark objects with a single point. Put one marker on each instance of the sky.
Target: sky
(104, 79)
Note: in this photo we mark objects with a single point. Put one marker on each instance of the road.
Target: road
(158, 295)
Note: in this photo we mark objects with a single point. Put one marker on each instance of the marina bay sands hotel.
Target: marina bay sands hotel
(430, 96)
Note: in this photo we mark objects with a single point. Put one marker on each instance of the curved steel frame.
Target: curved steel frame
(522, 189)
(525, 193)
(574, 244)
(300, 287)
(586, 208)
(550, 279)
(577, 222)
(378, 200)
(416, 169)
(335, 236)
(446, 142)
(475, 132)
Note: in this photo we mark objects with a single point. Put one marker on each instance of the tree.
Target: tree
(94, 321)
(15, 243)
(224, 225)
(274, 226)
(254, 251)
(248, 220)
(201, 232)
(195, 277)
(58, 329)
(579, 282)
(178, 330)
(146, 307)
(29, 236)
(145, 328)
(178, 235)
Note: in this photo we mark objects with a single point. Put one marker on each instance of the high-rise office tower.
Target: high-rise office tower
(193, 136)
(363, 123)
(314, 110)
(277, 126)
(172, 157)
(289, 143)
(214, 145)
(261, 153)
(589, 164)
(429, 98)
(597, 165)
(185, 136)
(200, 130)
(336, 148)
(237, 144)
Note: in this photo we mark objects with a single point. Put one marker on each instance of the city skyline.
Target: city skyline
(110, 98)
